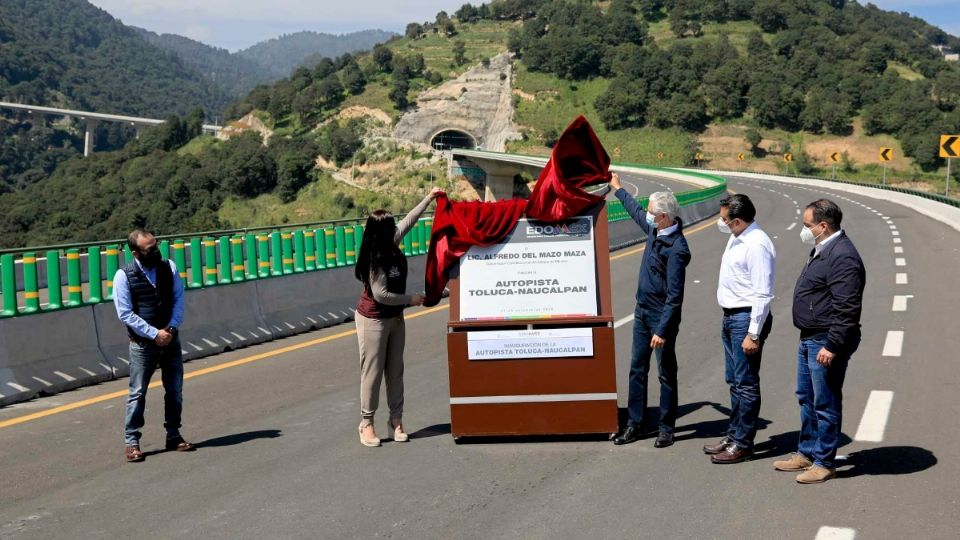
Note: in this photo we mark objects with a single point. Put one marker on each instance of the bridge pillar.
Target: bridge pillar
(88, 138)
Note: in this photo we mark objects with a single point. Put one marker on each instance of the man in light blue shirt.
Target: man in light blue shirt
(148, 295)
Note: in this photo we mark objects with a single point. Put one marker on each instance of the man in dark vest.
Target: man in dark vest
(148, 295)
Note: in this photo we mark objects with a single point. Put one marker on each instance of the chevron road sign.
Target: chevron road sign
(835, 157)
(949, 146)
(886, 154)
(740, 156)
(788, 157)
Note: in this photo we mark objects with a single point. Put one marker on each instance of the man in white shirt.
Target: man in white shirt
(745, 292)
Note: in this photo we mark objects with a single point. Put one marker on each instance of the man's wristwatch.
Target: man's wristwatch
(172, 330)
(754, 337)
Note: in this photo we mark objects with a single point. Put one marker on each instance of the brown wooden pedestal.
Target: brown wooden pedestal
(536, 396)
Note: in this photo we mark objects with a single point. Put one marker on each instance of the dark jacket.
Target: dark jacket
(828, 296)
(152, 304)
(663, 269)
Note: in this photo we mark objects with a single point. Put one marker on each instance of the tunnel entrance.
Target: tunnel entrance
(452, 138)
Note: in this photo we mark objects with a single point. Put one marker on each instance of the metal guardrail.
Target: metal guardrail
(215, 258)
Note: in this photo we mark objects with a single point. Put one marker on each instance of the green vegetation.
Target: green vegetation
(651, 75)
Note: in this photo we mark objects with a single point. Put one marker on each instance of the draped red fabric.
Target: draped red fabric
(578, 160)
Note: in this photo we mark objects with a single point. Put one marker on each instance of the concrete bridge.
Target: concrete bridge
(91, 119)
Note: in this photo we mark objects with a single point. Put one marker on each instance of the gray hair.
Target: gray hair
(664, 202)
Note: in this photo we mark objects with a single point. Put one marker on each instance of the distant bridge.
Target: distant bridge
(93, 118)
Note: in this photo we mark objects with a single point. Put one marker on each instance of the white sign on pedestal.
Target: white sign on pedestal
(519, 344)
(539, 271)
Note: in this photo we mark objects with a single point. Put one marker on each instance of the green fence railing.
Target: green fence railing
(31, 283)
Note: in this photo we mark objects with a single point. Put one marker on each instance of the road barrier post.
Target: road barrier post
(31, 294)
(113, 264)
(275, 255)
(74, 286)
(8, 270)
(236, 258)
(350, 244)
(287, 252)
(224, 267)
(94, 277)
(54, 293)
(210, 262)
(299, 257)
(263, 255)
(340, 244)
(310, 249)
(196, 262)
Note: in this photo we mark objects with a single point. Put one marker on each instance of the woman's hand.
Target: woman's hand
(435, 192)
(417, 300)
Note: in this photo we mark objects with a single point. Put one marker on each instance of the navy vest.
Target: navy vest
(152, 304)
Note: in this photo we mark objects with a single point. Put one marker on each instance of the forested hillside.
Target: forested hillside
(281, 55)
(233, 74)
(70, 54)
(649, 74)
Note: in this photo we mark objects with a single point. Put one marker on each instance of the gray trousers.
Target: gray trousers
(381, 352)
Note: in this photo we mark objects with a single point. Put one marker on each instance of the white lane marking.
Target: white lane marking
(539, 398)
(875, 414)
(798, 212)
(64, 376)
(623, 321)
(893, 346)
(900, 302)
(792, 225)
(895, 233)
(901, 279)
(898, 240)
(898, 249)
(900, 261)
(18, 387)
(893, 227)
(835, 533)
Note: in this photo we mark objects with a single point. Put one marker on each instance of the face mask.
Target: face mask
(807, 237)
(724, 228)
(651, 220)
(151, 259)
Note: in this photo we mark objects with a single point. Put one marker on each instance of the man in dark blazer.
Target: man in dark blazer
(656, 319)
(827, 303)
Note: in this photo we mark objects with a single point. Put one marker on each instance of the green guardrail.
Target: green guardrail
(216, 258)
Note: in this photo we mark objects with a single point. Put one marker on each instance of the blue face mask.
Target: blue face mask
(651, 220)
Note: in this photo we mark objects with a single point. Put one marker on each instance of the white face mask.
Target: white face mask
(651, 220)
(807, 237)
(724, 228)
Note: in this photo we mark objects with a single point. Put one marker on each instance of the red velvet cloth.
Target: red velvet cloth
(578, 160)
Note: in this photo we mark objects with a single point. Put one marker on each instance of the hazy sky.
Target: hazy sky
(237, 24)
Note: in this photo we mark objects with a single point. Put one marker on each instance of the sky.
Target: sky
(238, 24)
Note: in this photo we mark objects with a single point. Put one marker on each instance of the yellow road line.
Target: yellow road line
(253, 358)
(199, 372)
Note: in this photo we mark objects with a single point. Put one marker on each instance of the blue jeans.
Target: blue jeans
(820, 391)
(144, 360)
(743, 376)
(644, 326)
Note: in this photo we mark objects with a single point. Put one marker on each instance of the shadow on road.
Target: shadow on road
(886, 460)
(239, 438)
(431, 431)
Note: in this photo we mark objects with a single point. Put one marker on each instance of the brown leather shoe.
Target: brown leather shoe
(796, 463)
(134, 454)
(720, 446)
(816, 475)
(732, 454)
(179, 445)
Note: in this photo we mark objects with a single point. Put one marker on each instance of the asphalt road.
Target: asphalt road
(279, 455)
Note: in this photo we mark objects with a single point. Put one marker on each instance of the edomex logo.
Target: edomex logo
(579, 227)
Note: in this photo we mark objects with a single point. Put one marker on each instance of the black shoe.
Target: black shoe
(629, 435)
(664, 440)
